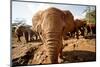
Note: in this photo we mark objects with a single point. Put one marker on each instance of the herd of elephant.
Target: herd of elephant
(52, 25)
(27, 32)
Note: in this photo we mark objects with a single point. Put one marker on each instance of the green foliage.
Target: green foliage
(90, 14)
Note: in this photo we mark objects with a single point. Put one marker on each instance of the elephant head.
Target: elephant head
(80, 25)
(18, 32)
(52, 23)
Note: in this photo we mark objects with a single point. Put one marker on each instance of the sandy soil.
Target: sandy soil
(75, 50)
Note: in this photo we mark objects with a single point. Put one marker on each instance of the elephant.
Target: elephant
(70, 24)
(52, 23)
(79, 25)
(26, 32)
(91, 28)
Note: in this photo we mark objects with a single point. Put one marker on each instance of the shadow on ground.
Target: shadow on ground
(39, 40)
(79, 56)
(90, 37)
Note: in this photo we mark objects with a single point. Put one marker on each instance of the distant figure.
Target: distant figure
(74, 46)
(91, 28)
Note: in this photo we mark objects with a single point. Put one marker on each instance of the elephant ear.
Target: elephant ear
(69, 21)
(36, 21)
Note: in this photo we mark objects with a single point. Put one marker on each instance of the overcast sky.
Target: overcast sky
(25, 10)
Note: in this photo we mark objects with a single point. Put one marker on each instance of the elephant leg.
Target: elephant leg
(18, 40)
(60, 55)
(77, 34)
(82, 32)
(31, 37)
(26, 36)
(73, 34)
(36, 36)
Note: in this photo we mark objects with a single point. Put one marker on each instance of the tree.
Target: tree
(90, 14)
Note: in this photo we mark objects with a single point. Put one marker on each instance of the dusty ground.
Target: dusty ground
(75, 50)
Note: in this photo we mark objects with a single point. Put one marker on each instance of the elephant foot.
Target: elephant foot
(60, 60)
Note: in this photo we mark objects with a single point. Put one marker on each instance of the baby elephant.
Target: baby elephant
(26, 32)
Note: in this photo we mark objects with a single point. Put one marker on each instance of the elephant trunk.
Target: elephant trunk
(53, 43)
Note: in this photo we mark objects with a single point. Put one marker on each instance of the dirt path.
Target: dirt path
(75, 50)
